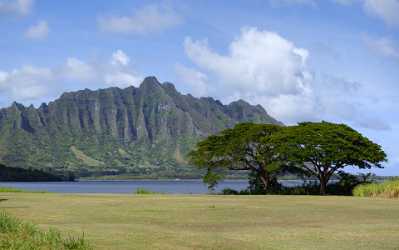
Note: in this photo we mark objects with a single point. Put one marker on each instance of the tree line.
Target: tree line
(311, 149)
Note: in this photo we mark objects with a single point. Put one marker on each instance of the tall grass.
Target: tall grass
(387, 189)
(15, 234)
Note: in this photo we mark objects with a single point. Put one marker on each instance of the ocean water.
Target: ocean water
(130, 186)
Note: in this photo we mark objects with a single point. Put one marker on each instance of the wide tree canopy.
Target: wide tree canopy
(238, 149)
(323, 148)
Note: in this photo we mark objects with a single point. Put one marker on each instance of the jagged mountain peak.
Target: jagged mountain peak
(128, 128)
(150, 82)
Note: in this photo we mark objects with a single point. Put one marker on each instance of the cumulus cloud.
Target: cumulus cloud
(147, 19)
(33, 84)
(265, 68)
(38, 31)
(252, 59)
(120, 58)
(194, 80)
(19, 7)
(118, 73)
(78, 70)
(260, 66)
(26, 83)
(383, 46)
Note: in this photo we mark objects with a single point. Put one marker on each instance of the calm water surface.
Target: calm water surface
(130, 186)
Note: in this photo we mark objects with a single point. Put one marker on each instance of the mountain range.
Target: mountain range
(146, 130)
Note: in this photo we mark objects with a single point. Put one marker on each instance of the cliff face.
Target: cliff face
(117, 130)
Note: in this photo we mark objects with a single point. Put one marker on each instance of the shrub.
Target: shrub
(229, 191)
(144, 191)
(15, 234)
(387, 189)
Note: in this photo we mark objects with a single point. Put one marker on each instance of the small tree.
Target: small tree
(321, 149)
(238, 149)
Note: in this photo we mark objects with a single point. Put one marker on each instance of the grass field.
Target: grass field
(214, 222)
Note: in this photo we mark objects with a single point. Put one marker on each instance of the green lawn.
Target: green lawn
(214, 222)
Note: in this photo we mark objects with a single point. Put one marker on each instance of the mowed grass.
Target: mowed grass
(214, 222)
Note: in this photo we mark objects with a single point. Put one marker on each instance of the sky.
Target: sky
(302, 60)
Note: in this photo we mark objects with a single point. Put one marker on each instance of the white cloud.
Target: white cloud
(38, 31)
(120, 58)
(19, 7)
(265, 68)
(192, 79)
(33, 84)
(260, 66)
(148, 19)
(383, 46)
(388, 10)
(26, 83)
(118, 73)
(122, 79)
(115, 72)
(77, 70)
(271, 64)
(3, 76)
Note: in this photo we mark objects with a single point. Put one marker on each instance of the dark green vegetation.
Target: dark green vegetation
(15, 234)
(317, 150)
(21, 174)
(387, 189)
(343, 184)
(174, 222)
(238, 149)
(322, 149)
(136, 131)
(144, 191)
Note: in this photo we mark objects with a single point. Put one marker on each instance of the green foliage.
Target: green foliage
(256, 185)
(144, 191)
(321, 149)
(238, 149)
(10, 190)
(212, 178)
(229, 191)
(15, 234)
(387, 189)
(20, 174)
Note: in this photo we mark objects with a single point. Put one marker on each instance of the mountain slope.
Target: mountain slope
(114, 131)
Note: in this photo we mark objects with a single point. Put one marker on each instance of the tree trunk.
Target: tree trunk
(264, 177)
(323, 184)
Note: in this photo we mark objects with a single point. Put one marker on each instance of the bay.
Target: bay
(130, 186)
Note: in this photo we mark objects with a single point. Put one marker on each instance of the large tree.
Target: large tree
(238, 149)
(323, 148)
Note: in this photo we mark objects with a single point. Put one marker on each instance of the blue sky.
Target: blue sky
(335, 60)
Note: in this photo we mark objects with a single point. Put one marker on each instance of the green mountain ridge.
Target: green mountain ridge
(141, 130)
